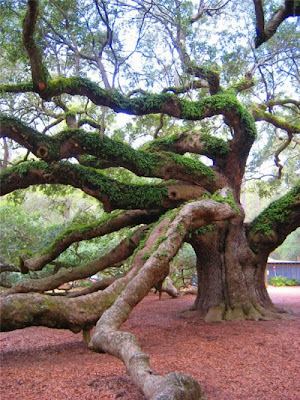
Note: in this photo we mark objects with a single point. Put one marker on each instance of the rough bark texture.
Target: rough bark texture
(131, 290)
(231, 276)
(113, 194)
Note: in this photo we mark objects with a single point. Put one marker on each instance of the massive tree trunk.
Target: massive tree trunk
(230, 275)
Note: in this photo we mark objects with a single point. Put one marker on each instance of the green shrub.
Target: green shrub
(282, 281)
(292, 282)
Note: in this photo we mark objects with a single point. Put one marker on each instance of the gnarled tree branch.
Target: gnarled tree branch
(106, 153)
(108, 224)
(192, 142)
(124, 345)
(261, 115)
(113, 194)
(122, 251)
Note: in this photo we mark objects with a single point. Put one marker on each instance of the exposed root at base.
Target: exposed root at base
(220, 313)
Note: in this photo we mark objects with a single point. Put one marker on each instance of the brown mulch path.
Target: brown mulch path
(231, 361)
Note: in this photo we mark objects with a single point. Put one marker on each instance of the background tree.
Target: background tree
(204, 93)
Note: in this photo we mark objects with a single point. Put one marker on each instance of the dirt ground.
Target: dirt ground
(231, 361)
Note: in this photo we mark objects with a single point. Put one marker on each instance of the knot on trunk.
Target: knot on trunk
(42, 152)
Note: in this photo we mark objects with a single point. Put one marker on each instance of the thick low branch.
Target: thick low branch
(34, 309)
(4, 283)
(100, 285)
(108, 224)
(122, 251)
(124, 345)
(275, 223)
(5, 267)
(161, 245)
(113, 194)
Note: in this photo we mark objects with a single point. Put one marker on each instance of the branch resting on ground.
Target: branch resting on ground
(124, 345)
(21, 310)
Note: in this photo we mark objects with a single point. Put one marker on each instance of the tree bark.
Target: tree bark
(231, 276)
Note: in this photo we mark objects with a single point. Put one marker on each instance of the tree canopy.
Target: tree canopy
(162, 111)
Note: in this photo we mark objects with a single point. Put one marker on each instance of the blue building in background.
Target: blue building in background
(288, 269)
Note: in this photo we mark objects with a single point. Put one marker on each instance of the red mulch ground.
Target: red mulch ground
(231, 361)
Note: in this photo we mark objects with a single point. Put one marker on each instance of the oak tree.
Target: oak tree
(204, 83)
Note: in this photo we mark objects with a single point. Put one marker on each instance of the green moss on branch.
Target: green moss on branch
(261, 115)
(43, 146)
(218, 104)
(208, 106)
(107, 149)
(277, 212)
(205, 229)
(120, 195)
(23, 87)
(229, 199)
(193, 165)
(215, 147)
(146, 104)
(22, 169)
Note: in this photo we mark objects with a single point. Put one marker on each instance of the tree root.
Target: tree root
(253, 313)
(215, 314)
